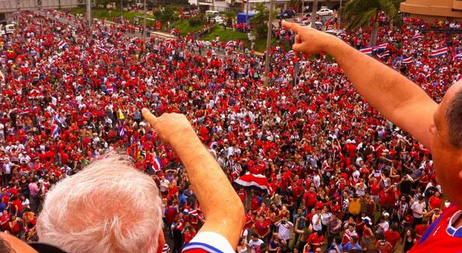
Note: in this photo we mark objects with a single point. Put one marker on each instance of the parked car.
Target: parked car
(302, 19)
(286, 14)
(336, 32)
(325, 12)
(212, 13)
(218, 20)
(317, 24)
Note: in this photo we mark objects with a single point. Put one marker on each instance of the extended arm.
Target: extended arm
(396, 97)
(221, 205)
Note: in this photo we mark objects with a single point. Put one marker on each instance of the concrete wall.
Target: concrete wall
(431, 9)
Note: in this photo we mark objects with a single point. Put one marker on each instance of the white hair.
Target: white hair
(107, 207)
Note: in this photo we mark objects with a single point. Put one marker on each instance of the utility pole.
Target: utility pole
(144, 24)
(303, 8)
(89, 13)
(314, 14)
(268, 41)
(247, 12)
(339, 16)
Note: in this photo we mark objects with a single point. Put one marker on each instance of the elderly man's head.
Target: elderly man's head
(107, 207)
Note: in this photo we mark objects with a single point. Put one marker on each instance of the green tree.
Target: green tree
(363, 13)
(260, 20)
(199, 19)
(169, 13)
(229, 17)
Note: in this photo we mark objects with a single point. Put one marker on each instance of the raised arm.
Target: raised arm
(223, 209)
(396, 97)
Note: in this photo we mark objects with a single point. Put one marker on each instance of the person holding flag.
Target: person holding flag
(437, 126)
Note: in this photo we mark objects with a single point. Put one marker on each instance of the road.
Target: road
(155, 34)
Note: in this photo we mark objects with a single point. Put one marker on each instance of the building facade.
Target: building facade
(31, 5)
(433, 9)
(223, 5)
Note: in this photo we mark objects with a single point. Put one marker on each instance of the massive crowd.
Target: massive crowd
(329, 173)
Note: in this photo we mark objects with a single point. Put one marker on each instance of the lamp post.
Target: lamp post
(339, 16)
(314, 14)
(268, 41)
(247, 12)
(303, 8)
(144, 23)
(89, 13)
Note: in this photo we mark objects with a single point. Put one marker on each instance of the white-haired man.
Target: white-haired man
(111, 207)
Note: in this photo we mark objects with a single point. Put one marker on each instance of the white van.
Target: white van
(7, 29)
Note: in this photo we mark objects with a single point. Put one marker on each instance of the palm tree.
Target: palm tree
(360, 13)
(229, 17)
(314, 14)
(295, 4)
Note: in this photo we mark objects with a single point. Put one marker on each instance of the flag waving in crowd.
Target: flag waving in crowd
(439, 52)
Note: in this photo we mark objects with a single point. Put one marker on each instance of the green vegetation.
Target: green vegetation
(361, 13)
(260, 20)
(225, 34)
(189, 26)
(185, 28)
(169, 13)
(230, 16)
(200, 19)
(229, 34)
(111, 14)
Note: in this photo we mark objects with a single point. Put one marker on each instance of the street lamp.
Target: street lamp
(339, 16)
(247, 12)
(268, 41)
(89, 13)
(144, 24)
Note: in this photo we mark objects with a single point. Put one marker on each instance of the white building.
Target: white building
(223, 5)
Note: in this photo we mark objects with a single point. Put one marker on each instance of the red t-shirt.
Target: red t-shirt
(170, 213)
(315, 238)
(441, 236)
(420, 230)
(262, 228)
(392, 237)
(310, 199)
(188, 237)
(435, 202)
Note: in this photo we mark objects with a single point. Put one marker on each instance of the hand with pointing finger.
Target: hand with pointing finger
(309, 40)
(171, 127)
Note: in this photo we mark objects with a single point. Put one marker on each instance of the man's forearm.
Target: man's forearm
(222, 207)
(385, 89)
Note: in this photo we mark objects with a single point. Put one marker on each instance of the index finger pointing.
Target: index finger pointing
(149, 117)
(291, 26)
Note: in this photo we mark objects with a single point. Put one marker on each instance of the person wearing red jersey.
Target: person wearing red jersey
(436, 126)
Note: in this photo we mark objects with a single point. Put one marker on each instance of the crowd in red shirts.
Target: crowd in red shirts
(337, 176)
